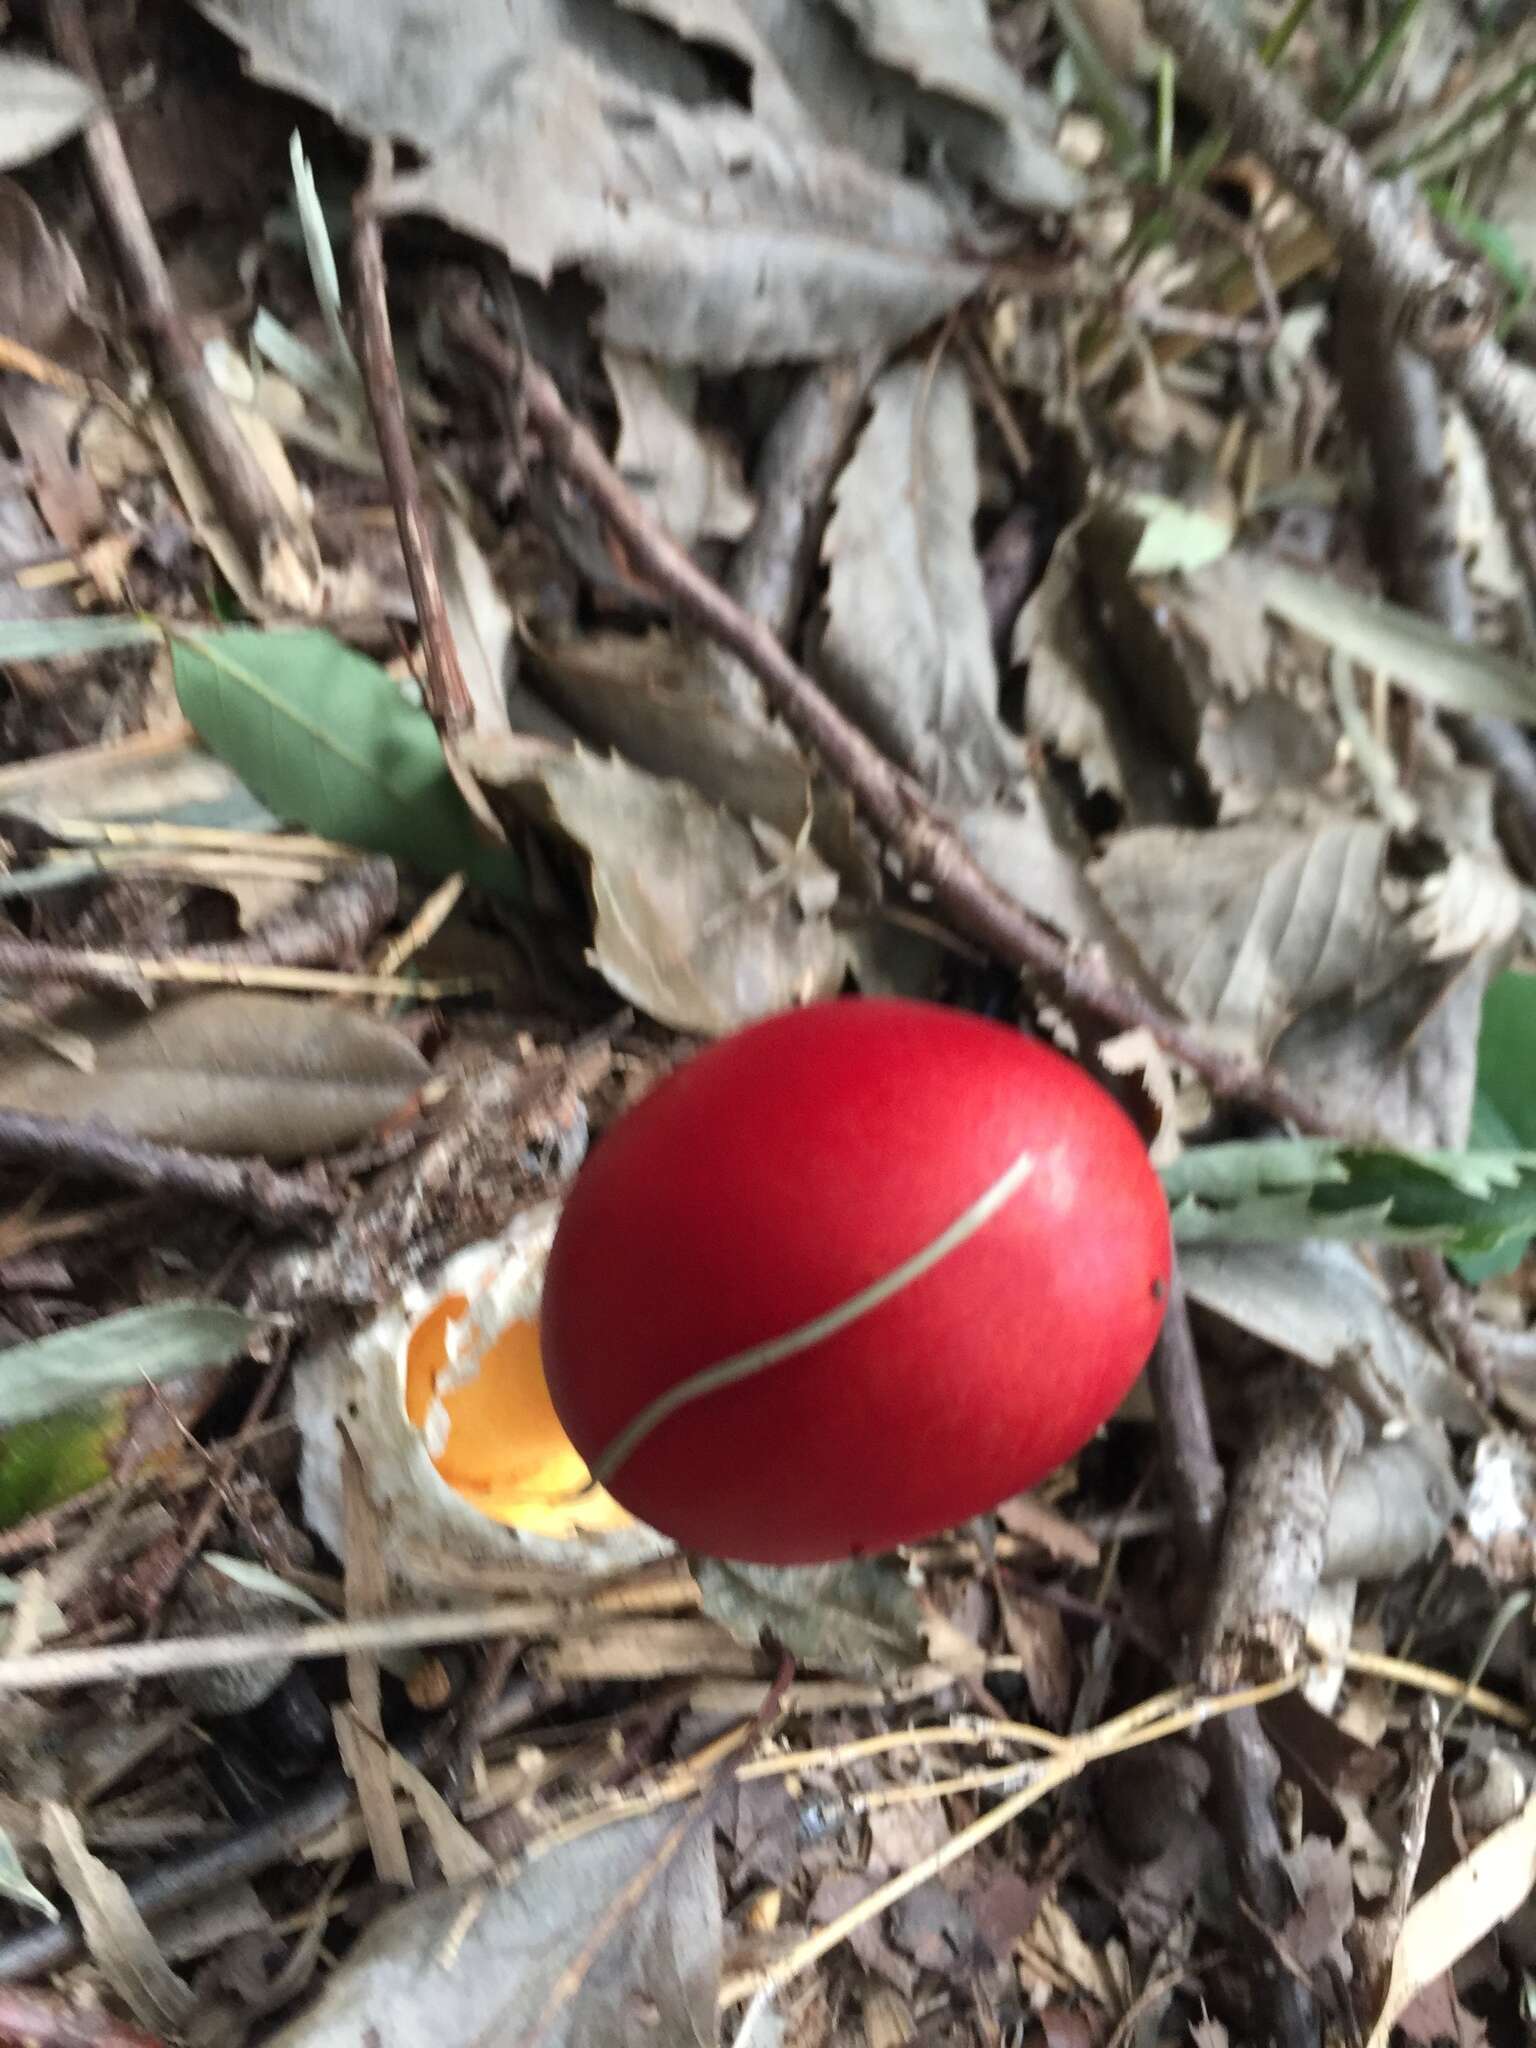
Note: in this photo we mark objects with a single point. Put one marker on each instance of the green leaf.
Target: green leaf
(1504, 1108)
(1278, 1191)
(39, 1378)
(1415, 652)
(255, 1578)
(55, 1457)
(1177, 537)
(324, 737)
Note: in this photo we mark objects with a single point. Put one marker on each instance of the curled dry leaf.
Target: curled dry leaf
(701, 922)
(603, 1941)
(479, 618)
(908, 643)
(1068, 702)
(42, 287)
(115, 1930)
(861, 1618)
(1323, 1303)
(714, 238)
(1455, 1914)
(641, 694)
(167, 776)
(237, 1071)
(1320, 948)
(43, 105)
(687, 474)
(1391, 1505)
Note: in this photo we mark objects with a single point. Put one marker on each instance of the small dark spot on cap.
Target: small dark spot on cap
(1159, 1289)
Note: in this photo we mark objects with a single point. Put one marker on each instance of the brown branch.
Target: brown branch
(1243, 1766)
(928, 846)
(32, 2019)
(444, 689)
(1184, 1430)
(247, 503)
(1442, 307)
(94, 1149)
(1276, 1532)
(1392, 399)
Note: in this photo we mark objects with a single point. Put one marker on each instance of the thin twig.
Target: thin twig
(444, 688)
(91, 1148)
(333, 923)
(21, 960)
(928, 846)
(1184, 1428)
(106, 1663)
(1441, 306)
(246, 500)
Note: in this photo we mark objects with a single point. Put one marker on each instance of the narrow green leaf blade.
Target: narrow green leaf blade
(15, 1883)
(52, 639)
(323, 736)
(1415, 652)
(159, 1343)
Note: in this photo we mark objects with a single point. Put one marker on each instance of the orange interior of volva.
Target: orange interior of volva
(506, 1452)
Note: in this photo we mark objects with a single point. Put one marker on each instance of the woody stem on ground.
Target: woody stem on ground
(1243, 1766)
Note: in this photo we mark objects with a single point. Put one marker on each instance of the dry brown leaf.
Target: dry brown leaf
(859, 1617)
(638, 693)
(1068, 700)
(359, 1728)
(1455, 1914)
(688, 475)
(42, 287)
(528, 1961)
(42, 423)
(908, 643)
(1321, 948)
(459, 1855)
(115, 1929)
(1390, 1507)
(647, 1649)
(163, 775)
(236, 1072)
(700, 922)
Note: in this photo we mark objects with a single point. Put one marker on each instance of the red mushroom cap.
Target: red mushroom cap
(849, 1277)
